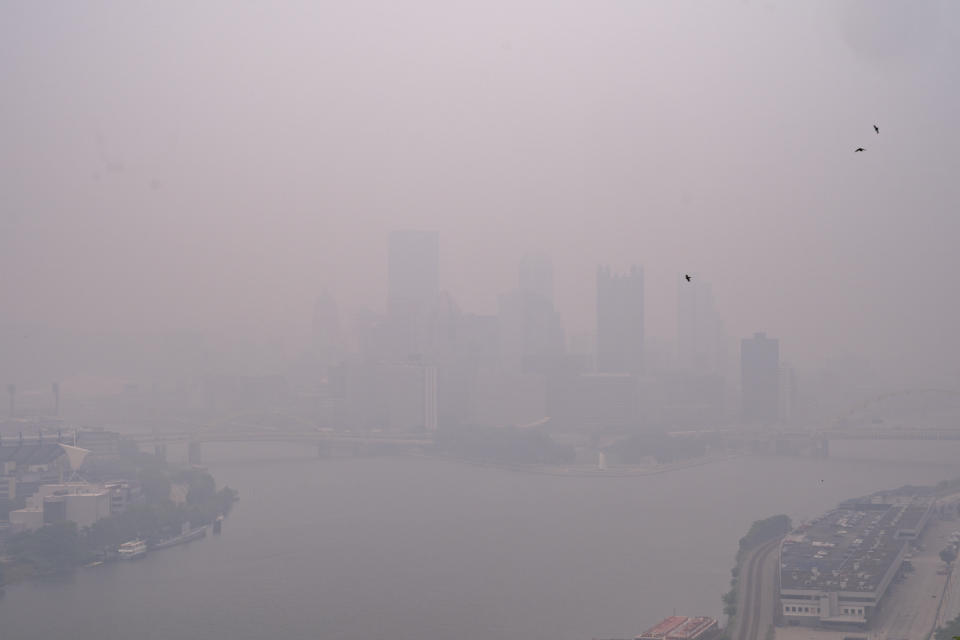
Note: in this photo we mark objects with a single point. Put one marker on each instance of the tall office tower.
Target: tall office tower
(699, 329)
(620, 321)
(410, 394)
(326, 329)
(760, 378)
(529, 329)
(787, 404)
(531, 334)
(413, 287)
(536, 276)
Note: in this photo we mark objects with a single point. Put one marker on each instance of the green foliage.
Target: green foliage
(59, 547)
(948, 555)
(763, 530)
(155, 484)
(949, 632)
(52, 548)
(730, 602)
(507, 445)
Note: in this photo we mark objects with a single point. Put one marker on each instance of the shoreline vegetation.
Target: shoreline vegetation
(62, 547)
(760, 532)
(588, 471)
(532, 451)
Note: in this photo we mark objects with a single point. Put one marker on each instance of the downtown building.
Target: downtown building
(760, 379)
(620, 327)
(413, 290)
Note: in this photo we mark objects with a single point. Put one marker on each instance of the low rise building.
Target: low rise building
(24, 466)
(123, 494)
(836, 569)
(78, 502)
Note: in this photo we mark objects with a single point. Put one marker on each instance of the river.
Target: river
(420, 549)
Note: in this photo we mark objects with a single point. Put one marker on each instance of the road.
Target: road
(910, 608)
(757, 593)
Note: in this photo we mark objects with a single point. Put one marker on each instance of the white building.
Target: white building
(78, 502)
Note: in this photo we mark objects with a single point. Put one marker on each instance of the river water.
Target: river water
(419, 549)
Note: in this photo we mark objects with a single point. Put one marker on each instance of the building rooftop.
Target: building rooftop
(33, 453)
(691, 628)
(678, 628)
(661, 629)
(848, 549)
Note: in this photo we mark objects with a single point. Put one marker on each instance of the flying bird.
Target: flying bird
(687, 276)
(859, 149)
(877, 129)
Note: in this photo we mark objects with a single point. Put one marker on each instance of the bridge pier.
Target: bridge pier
(194, 453)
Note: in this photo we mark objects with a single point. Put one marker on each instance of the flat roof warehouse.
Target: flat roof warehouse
(837, 568)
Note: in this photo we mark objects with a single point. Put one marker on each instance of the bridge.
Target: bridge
(324, 441)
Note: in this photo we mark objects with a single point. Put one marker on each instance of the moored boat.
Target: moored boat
(132, 549)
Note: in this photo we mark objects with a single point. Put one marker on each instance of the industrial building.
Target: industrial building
(836, 569)
(26, 466)
(79, 502)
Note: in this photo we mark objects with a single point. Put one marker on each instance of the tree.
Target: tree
(948, 555)
(156, 486)
(730, 602)
(55, 547)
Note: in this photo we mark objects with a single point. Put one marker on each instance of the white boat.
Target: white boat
(132, 549)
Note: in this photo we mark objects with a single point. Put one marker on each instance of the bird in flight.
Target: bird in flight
(877, 129)
(859, 149)
(687, 276)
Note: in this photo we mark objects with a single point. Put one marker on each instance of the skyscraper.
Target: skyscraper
(787, 393)
(620, 321)
(760, 378)
(699, 329)
(531, 334)
(326, 329)
(536, 276)
(413, 288)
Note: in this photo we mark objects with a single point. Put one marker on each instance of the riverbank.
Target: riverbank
(588, 471)
(155, 517)
(913, 610)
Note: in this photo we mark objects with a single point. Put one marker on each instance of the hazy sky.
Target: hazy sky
(214, 165)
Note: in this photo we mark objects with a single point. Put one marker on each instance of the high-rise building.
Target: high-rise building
(699, 329)
(411, 396)
(413, 288)
(536, 276)
(530, 331)
(787, 404)
(760, 378)
(620, 321)
(326, 329)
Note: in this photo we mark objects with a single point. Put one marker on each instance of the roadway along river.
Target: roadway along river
(406, 548)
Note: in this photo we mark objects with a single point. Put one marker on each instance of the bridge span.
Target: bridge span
(323, 441)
